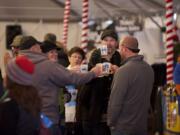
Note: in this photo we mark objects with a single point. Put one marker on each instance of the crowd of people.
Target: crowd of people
(105, 91)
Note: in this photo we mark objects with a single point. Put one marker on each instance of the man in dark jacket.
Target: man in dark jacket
(93, 97)
(131, 90)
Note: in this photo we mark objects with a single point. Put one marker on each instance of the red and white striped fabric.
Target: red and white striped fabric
(84, 34)
(66, 21)
(170, 33)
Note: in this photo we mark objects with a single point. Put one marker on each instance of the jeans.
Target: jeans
(114, 132)
(73, 128)
(95, 129)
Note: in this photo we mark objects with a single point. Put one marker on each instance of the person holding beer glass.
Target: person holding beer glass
(93, 97)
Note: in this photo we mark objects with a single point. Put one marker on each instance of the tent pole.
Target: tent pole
(169, 41)
(66, 22)
(84, 33)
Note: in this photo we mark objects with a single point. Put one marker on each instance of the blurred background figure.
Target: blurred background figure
(90, 48)
(14, 48)
(50, 37)
(1, 85)
(177, 75)
(8, 56)
(15, 44)
(50, 49)
(62, 52)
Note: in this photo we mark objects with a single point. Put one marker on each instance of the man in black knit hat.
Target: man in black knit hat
(93, 98)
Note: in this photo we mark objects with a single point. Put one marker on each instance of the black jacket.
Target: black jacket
(92, 98)
(14, 120)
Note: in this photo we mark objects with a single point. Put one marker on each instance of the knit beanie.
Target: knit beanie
(20, 70)
(48, 46)
(109, 33)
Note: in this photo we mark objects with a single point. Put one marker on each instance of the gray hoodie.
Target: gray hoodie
(130, 96)
(49, 77)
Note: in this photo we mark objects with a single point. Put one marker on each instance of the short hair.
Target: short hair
(76, 50)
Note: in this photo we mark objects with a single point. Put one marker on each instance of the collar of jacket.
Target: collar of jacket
(133, 58)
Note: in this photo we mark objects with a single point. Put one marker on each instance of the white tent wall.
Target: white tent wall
(38, 30)
(150, 39)
(151, 45)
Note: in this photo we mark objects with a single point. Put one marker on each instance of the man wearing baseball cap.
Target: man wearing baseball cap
(49, 77)
(30, 43)
(16, 43)
(14, 48)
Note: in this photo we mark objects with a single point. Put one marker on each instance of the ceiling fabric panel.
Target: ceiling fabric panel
(98, 9)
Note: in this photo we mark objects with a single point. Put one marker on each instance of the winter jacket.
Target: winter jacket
(49, 77)
(93, 97)
(130, 96)
(14, 120)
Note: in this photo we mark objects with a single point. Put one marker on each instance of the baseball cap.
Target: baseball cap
(27, 42)
(17, 41)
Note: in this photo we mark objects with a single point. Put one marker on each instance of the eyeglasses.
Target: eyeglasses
(75, 56)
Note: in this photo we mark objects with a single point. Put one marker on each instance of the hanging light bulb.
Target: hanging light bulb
(109, 22)
(175, 17)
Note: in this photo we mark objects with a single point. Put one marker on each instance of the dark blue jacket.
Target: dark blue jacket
(14, 120)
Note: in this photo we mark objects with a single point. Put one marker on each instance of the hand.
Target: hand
(67, 97)
(114, 68)
(7, 57)
(97, 70)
